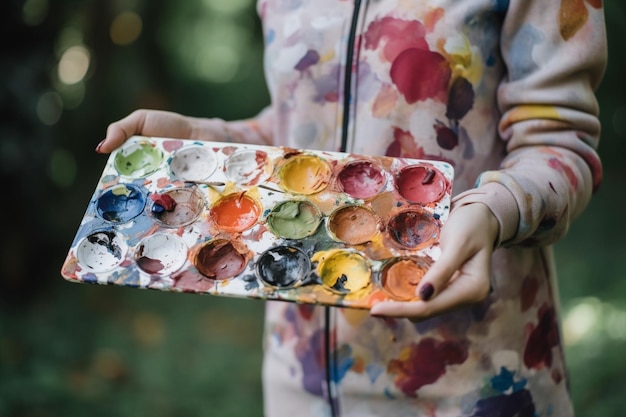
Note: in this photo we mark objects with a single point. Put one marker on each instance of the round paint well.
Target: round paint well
(138, 159)
(193, 163)
(294, 219)
(345, 272)
(401, 276)
(353, 225)
(235, 212)
(248, 167)
(283, 266)
(413, 229)
(361, 179)
(188, 207)
(305, 174)
(421, 184)
(101, 251)
(219, 259)
(121, 203)
(161, 254)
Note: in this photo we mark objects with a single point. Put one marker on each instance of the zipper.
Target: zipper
(345, 123)
(334, 412)
(347, 84)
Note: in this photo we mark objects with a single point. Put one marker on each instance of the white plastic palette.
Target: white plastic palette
(262, 222)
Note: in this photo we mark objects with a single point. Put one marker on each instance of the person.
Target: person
(504, 90)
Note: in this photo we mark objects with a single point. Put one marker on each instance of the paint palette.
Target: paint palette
(262, 222)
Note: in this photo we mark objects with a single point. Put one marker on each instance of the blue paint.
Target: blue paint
(121, 203)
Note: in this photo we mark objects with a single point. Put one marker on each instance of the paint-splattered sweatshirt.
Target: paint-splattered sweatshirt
(503, 89)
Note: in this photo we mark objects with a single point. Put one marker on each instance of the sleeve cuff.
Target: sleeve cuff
(500, 201)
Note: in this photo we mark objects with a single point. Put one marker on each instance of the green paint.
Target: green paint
(294, 219)
(138, 160)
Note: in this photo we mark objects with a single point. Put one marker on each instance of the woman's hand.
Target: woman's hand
(162, 124)
(461, 275)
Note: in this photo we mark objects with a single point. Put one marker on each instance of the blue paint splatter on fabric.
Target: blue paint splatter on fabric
(521, 59)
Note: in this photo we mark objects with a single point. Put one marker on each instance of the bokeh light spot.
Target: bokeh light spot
(217, 63)
(126, 28)
(62, 168)
(34, 12)
(49, 108)
(73, 65)
(581, 320)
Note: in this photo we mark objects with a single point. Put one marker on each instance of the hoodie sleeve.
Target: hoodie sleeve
(257, 130)
(555, 53)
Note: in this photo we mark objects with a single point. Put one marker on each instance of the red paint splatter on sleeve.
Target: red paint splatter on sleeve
(424, 363)
(559, 166)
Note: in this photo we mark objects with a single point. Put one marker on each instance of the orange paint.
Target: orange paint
(573, 15)
(235, 212)
(401, 278)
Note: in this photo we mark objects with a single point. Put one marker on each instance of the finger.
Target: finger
(469, 287)
(442, 271)
(119, 132)
(457, 295)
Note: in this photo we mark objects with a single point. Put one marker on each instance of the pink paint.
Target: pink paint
(398, 35)
(421, 184)
(172, 145)
(361, 179)
(559, 166)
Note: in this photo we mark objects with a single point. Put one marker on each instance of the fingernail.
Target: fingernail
(100, 146)
(427, 291)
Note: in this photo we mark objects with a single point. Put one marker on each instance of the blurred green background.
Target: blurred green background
(67, 69)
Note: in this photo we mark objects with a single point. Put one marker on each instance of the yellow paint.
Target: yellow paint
(350, 269)
(529, 112)
(305, 174)
(463, 61)
(121, 190)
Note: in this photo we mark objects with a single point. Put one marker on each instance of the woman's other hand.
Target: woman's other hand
(162, 124)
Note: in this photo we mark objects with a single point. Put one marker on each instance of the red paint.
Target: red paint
(420, 75)
(530, 287)
(543, 337)
(425, 363)
(421, 184)
(562, 168)
(404, 145)
(164, 200)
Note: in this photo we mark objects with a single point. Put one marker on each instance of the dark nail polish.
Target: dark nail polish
(427, 291)
(99, 146)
